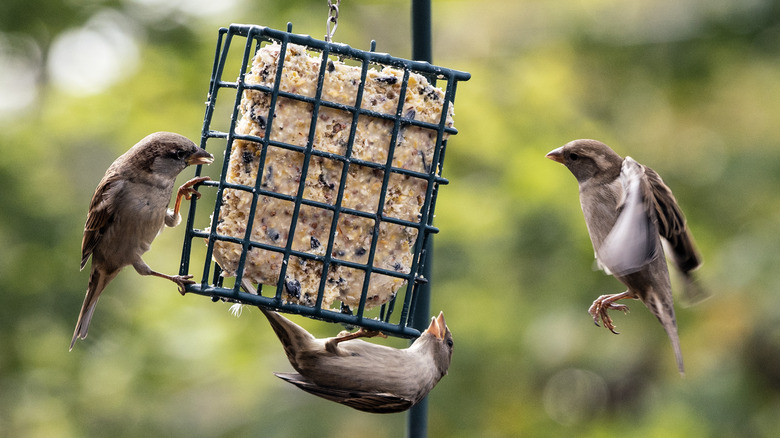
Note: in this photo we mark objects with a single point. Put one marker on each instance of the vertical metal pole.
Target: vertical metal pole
(417, 422)
(421, 31)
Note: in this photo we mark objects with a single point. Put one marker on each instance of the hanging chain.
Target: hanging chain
(333, 17)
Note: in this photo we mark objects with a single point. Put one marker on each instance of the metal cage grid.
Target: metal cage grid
(212, 283)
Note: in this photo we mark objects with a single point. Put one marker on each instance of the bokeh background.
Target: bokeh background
(688, 87)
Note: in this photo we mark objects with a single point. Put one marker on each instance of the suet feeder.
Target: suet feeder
(311, 214)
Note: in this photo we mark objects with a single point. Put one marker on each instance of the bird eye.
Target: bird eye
(181, 154)
(449, 343)
(574, 157)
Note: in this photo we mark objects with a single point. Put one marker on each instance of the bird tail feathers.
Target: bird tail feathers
(97, 282)
(665, 314)
(288, 332)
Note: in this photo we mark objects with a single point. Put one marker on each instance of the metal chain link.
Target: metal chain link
(333, 17)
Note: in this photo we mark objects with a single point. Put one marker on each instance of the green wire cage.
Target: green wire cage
(238, 82)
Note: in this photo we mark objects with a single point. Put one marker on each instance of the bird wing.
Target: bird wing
(632, 242)
(376, 402)
(101, 214)
(671, 224)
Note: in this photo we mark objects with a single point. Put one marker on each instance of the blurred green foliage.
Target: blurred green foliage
(690, 88)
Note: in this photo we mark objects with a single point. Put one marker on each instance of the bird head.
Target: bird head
(588, 159)
(442, 343)
(167, 153)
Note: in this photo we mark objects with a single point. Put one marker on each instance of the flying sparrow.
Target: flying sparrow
(628, 209)
(128, 210)
(365, 376)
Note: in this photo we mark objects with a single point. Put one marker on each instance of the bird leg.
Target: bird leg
(604, 303)
(181, 280)
(187, 192)
(332, 343)
(361, 333)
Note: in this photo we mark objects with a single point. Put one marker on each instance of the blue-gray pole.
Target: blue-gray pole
(417, 423)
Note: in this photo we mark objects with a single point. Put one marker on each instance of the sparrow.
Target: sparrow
(128, 210)
(362, 375)
(628, 211)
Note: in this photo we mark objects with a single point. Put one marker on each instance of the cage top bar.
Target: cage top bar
(346, 50)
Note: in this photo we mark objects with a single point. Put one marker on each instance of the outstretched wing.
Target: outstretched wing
(671, 224)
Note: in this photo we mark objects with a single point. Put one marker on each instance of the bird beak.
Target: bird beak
(556, 155)
(200, 157)
(438, 327)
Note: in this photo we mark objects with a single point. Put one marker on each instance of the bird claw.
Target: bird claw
(373, 333)
(332, 344)
(190, 193)
(182, 281)
(187, 191)
(361, 333)
(600, 307)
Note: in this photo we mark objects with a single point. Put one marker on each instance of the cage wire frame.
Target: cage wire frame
(255, 36)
